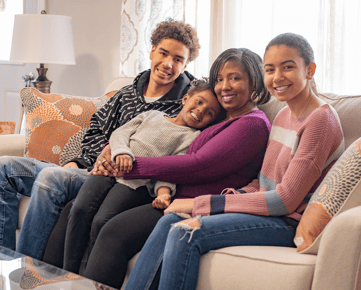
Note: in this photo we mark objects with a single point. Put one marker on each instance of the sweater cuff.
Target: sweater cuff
(136, 172)
(209, 205)
(171, 186)
(202, 205)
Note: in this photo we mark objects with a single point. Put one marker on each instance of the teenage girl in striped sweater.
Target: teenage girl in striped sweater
(306, 139)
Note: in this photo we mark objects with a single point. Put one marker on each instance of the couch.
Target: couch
(331, 262)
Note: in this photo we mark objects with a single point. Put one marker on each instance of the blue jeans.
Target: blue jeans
(179, 249)
(50, 188)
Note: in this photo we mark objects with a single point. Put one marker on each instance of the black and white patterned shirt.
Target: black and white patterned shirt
(127, 103)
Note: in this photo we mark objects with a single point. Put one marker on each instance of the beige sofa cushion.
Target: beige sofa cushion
(252, 268)
(349, 117)
(12, 145)
(255, 268)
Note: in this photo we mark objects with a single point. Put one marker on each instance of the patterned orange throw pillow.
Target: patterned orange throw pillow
(56, 124)
(339, 191)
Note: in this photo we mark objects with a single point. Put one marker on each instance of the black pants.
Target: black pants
(118, 240)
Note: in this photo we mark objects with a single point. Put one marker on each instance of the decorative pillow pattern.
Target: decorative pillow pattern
(56, 124)
(340, 190)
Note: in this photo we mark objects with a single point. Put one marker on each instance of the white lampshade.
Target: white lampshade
(42, 38)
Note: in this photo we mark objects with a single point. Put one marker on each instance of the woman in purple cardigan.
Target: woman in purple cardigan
(228, 154)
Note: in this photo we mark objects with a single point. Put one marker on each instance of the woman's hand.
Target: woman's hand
(181, 206)
(104, 165)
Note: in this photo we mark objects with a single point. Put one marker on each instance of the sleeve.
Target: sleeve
(319, 141)
(120, 139)
(101, 126)
(228, 151)
(251, 187)
(172, 187)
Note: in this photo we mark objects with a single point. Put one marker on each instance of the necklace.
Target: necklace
(304, 108)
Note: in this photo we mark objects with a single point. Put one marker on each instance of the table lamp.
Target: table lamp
(42, 38)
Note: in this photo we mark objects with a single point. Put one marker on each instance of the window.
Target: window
(8, 8)
(332, 27)
(198, 14)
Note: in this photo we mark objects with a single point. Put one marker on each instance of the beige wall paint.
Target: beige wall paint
(96, 30)
(11, 77)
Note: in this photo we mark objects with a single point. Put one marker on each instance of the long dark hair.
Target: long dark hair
(300, 44)
(296, 41)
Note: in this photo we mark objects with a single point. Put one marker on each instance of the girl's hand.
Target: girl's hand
(162, 201)
(181, 206)
(124, 163)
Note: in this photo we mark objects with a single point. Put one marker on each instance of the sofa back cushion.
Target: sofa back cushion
(56, 124)
(347, 107)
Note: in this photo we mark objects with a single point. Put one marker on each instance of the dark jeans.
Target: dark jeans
(99, 199)
(115, 243)
(118, 241)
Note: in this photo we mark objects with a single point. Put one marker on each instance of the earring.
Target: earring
(254, 96)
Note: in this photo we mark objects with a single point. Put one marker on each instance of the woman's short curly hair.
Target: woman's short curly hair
(251, 62)
(179, 31)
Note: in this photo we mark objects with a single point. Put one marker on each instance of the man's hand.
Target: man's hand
(71, 165)
(181, 206)
(163, 199)
(104, 165)
(124, 162)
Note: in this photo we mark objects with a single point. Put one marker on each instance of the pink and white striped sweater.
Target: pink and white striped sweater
(299, 154)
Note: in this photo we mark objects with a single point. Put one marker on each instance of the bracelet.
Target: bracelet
(105, 145)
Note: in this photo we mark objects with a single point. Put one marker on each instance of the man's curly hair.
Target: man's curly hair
(179, 31)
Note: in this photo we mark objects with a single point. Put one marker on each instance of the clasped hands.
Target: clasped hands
(104, 166)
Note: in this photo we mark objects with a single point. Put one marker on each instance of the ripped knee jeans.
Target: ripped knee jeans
(178, 246)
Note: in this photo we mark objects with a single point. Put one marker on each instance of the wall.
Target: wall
(11, 79)
(96, 30)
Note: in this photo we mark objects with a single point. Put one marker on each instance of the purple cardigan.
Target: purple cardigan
(228, 154)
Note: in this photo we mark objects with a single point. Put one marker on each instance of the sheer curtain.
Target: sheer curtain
(140, 17)
(333, 27)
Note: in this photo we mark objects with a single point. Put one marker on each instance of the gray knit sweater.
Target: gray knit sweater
(150, 134)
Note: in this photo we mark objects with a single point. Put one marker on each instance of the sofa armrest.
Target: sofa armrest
(339, 256)
(12, 145)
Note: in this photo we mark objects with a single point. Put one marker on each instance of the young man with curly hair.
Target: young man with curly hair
(51, 187)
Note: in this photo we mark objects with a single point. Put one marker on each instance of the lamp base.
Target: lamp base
(42, 83)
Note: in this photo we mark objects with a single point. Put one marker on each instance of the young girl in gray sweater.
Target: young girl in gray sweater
(150, 134)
